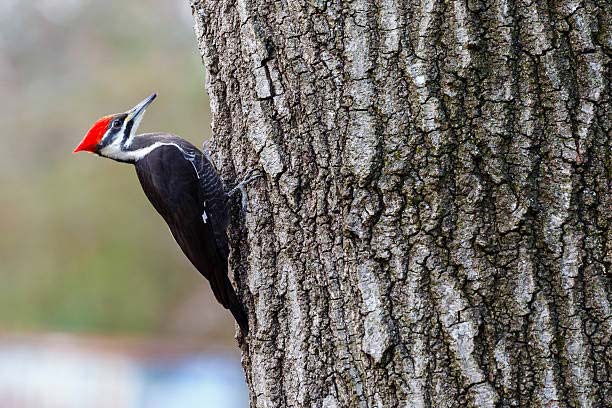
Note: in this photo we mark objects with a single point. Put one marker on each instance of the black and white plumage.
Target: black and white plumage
(184, 188)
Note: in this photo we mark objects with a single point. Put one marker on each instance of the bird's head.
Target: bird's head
(112, 134)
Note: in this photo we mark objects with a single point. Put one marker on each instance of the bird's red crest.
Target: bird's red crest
(94, 135)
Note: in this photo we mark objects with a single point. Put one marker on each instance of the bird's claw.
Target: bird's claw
(241, 187)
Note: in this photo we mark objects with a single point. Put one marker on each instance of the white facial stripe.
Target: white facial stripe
(137, 121)
(117, 136)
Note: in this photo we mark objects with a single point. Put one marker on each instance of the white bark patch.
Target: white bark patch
(503, 13)
(426, 9)
(280, 103)
(243, 10)
(262, 389)
(430, 114)
(525, 285)
(502, 361)
(543, 340)
(583, 21)
(259, 134)
(295, 344)
(417, 71)
(329, 402)
(464, 255)
(357, 50)
(539, 42)
(462, 32)
(594, 77)
(575, 345)
(414, 298)
(415, 370)
(270, 158)
(389, 26)
(568, 7)
(262, 85)
(560, 115)
(510, 209)
(376, 339)
(431, 121)
(204, 217)
(484, 395)
(378, 400)
(361, 146)
(557, 214)
(590, 90)
(462, 333)
(259, 129)
(549, 391)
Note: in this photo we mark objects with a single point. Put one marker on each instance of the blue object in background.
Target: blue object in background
(205, 380)
(69, 373)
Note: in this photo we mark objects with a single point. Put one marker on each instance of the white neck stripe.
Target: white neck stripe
(132, 156)
(113, 152)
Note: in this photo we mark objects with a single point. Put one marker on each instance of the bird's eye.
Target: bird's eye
(116, 124)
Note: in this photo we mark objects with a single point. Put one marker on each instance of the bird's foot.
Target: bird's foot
(240, 187)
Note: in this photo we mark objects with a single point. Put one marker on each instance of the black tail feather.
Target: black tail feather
(241, 317)
(225, 294)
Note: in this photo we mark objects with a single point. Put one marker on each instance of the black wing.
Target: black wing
(174, 183)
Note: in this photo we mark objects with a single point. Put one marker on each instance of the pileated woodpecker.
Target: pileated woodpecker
(183, 186)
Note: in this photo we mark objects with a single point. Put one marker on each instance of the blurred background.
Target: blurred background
(98, 306)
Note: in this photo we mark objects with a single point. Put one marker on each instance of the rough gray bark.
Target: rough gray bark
(435, 224)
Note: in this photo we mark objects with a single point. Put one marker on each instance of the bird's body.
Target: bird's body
(184, 188)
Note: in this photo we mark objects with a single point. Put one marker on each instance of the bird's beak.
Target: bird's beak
(139, 109)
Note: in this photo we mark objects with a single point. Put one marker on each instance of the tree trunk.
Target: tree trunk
(434, 228)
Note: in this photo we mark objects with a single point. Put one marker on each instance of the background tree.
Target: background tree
(435, 225)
